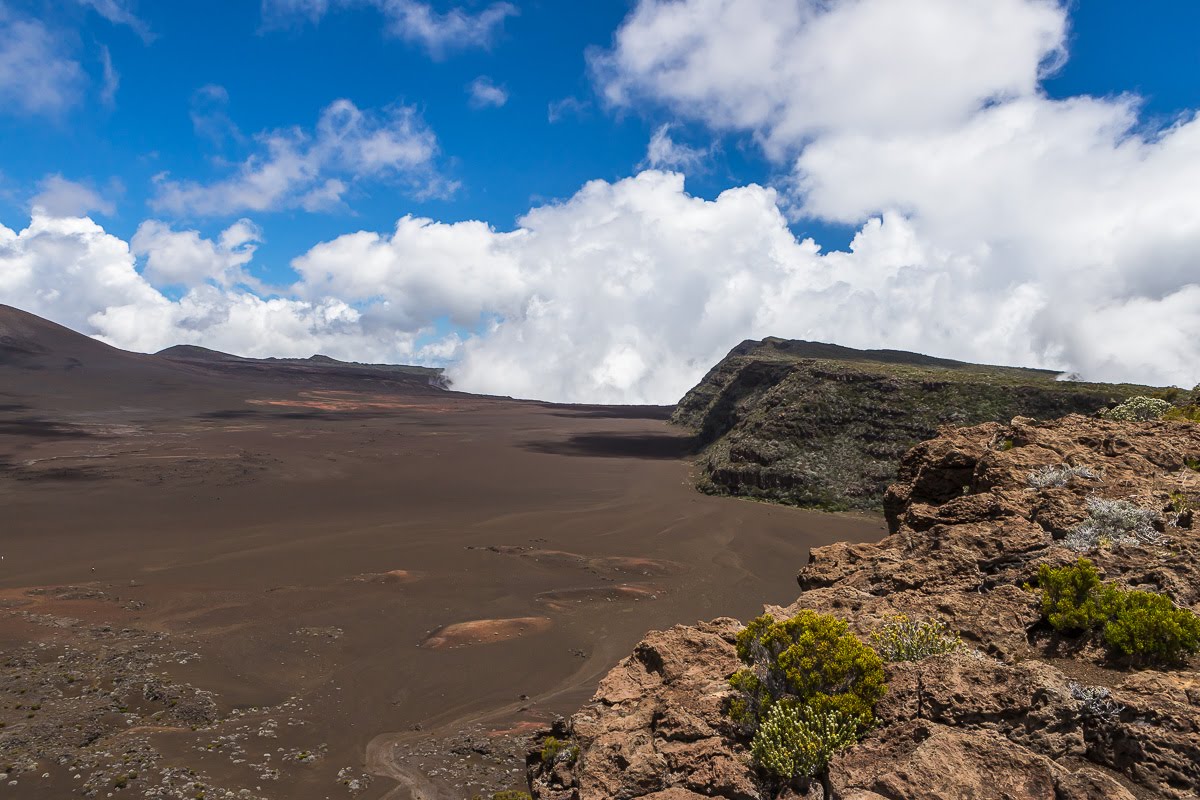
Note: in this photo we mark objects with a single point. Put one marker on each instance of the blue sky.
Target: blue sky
(280, 73)
(142, 115)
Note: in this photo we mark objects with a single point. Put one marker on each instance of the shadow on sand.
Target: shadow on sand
(618, 445)
(41, 429)
(610, 412)
(328, 416)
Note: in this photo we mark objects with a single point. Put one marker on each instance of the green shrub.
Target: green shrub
(1143, 626)
(1180, 503)
(1192, 464)
(511, 795)
(1186, 413)
(1137, 409)
(904, 639)
(554, 750)
(1147, 627)
(811, 660)
(798, 741)
(1073, 598)
(1170, 393)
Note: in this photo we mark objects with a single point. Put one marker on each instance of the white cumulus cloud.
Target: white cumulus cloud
(185, 258)
(72, 271)
(312, 170)
(626, 292)
(59, 197)
(789, 70)
(485, 93)
(664, 152)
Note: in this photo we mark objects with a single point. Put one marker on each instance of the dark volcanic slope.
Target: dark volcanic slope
(52, 366)
(822, 425)
(46, 365)
(28, 342)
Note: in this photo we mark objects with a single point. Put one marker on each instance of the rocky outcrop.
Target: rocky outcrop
(999, 718)
(826, 426)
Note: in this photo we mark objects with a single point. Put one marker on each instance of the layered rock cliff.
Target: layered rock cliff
(1003, 717)
(826, 426)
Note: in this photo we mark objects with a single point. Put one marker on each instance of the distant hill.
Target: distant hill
(821, 425)
(314, 365)
(43, 361)
(191, 352)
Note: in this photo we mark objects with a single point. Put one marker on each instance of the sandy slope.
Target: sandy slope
(304, 534)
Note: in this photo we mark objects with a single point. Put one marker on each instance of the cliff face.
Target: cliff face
(826, 426)
(999, 718)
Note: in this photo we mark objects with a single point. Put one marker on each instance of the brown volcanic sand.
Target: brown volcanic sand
(304, 556)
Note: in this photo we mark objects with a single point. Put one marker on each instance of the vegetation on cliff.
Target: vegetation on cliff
(819, 425)
(809, 687)
(809, 660)
(1049, 678)
(1144, 627)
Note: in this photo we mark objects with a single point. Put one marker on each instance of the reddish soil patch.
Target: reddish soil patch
(484, 631)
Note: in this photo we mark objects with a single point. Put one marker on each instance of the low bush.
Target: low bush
(1149, 628)
(904, 639)
(1048, 477)
(1113, 523)
(798, 741)
(811, 660)
(808, 690)
(1073, 598)
(1137, 409)
(1145, 627)
(555, 750)
(1186, 413)
(1180, 503)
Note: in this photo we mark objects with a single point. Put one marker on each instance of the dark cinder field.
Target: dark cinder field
(306, 579)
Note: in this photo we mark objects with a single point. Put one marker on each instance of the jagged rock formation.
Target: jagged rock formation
(997, 719)
(822, 425)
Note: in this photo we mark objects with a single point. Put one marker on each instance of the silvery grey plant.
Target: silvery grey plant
(1061, 475)
(1095, 701)
(1114, 523)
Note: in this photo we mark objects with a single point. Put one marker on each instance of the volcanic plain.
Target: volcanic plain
(226, 577)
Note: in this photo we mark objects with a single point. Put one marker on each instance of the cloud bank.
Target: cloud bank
(626, 292)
